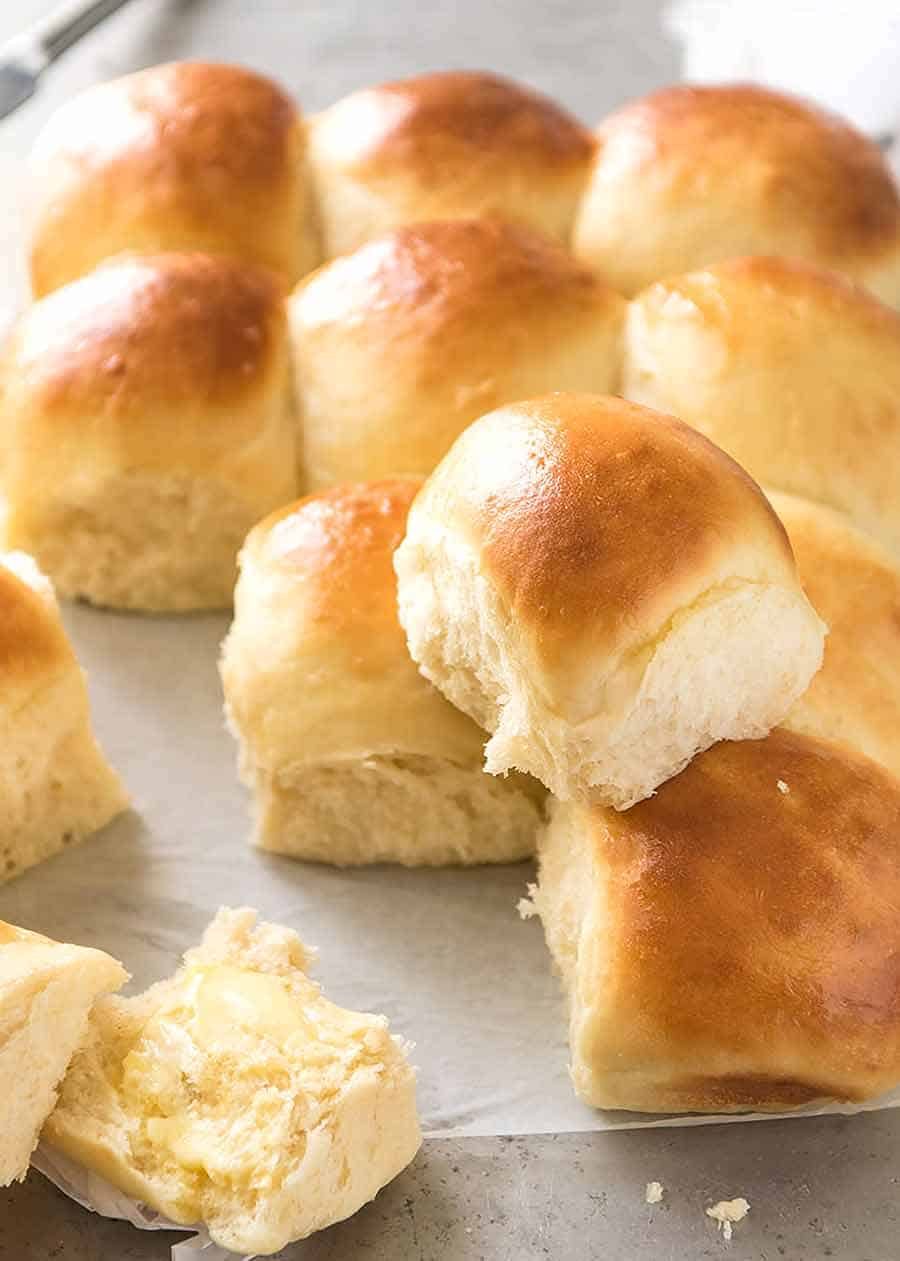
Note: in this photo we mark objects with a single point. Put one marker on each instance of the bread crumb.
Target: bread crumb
(526, 906)
(654, 1193)
(782, 787)
(727, 1212)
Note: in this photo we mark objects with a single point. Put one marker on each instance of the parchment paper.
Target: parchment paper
(443, 954)
(96, 1194)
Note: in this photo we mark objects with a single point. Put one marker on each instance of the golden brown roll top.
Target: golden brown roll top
(317, 597)
(572, 570)
(691, 175)
(161, 331)
(185, 156)
(855, 586)
(353, 757)
(453, 144)
(403, 343)
(792, 370)
(570, 498)
(147, 424)
(733, 943)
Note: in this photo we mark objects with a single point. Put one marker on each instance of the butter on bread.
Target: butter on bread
(234, 1095)
(47, 989)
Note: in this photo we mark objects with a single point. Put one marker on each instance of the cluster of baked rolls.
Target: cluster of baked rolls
(181, 375)
(598, 433)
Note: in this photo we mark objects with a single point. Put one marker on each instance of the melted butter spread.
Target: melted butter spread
(211, 1068)
(189, 1147)
(226, 997)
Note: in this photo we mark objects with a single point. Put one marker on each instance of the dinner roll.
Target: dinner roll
(855, 586)
(187, 156)
(793, 371)
(147, 425)
(234, 1095)
(450, 145)
(352, 756)
(605, 591)
(400, 345)
(46, 992)
(691, 175)
(732, 943)
(56, 787)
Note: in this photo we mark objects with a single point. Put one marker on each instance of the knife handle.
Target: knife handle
(67, 22)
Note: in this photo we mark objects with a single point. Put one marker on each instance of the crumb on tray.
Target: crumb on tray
(726, 1212)
(526, 906)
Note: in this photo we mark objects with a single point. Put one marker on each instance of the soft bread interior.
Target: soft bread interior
(728, 667)
(56, 787)
(55, 784)
(235, 1095)
(414, 810)
(136, 541)
(570, 901)
(46, 993)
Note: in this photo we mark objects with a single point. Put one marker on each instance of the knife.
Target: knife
(26, 56)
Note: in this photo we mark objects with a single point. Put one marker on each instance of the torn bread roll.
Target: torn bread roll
(604, 591)
(47, 989)
(235, 1096)
(688, 176)
(147, 424)
(352, 756)
(400, 345)
(447, 145)
(55, 784)
(792, 370)
(184, 156)
(732, 943)
(855, 586)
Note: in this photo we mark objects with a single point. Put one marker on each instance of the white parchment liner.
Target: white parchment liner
(99, 1196)
(443, 954)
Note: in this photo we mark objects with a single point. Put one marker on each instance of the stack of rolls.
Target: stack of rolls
(212, 157)
(617, 604)
(488, 608)
(485, 237)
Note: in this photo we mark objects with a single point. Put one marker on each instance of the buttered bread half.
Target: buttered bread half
(234, 1095)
